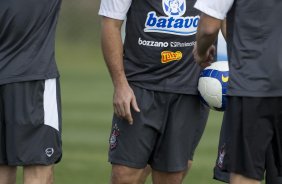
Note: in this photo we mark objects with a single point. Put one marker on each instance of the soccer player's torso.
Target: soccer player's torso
(160, 36)
(27, 30)
(254, 48)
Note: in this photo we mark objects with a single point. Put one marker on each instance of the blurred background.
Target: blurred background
(87, 103)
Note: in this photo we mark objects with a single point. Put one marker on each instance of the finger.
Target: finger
(116, 112)
(119, 110)
(204, 65)
(134, 104)
(212, 50)
(128, 115)
(210, 58)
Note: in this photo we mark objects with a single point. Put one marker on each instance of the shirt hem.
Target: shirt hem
(28, 78)
(188, 91)
(277, 93)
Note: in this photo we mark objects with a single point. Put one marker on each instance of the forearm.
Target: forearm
(113, 50)
(207, 33)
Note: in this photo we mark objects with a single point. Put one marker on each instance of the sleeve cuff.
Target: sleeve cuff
(209, 11)
(112, 15)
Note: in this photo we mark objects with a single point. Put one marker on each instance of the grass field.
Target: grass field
(87, 104)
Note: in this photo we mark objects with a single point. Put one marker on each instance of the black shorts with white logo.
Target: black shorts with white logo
(164, 134)
(250, 140)
(30, 123)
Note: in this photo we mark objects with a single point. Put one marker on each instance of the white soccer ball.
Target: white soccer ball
(213, 85)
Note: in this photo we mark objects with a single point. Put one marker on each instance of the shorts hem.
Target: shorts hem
(128, 164)
(170, 169)
(28, 163)
(220, 175)
(245, 174)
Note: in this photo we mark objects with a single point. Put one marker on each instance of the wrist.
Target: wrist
(120, 82)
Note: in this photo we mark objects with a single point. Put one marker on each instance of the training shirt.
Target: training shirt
(160, 36)
(27, 32)
(254, 44)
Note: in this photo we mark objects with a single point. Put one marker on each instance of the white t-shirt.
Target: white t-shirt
(214, 8)
(116, 9)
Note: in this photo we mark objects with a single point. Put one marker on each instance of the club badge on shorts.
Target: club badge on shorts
(221, 155)
(113, 138)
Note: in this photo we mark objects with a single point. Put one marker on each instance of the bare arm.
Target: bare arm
(223, 28)
(207, 33)
(113, 53)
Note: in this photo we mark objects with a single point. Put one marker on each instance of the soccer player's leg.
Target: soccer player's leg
(38, 174)
(8, 174)
(130, 146)
(186, 120)
(124, 174)
(145, 174)
(33, 127)
(148, 170)
(168, 177)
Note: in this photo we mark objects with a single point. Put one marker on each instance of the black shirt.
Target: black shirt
(254, 37)
(160, 36)
(27, 36)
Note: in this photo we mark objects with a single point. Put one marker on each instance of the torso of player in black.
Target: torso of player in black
(160, 36)
(27, 34)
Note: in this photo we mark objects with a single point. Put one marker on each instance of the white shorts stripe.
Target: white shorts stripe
(51, 116)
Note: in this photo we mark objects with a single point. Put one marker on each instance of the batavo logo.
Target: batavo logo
(174, 22)
(168, 56)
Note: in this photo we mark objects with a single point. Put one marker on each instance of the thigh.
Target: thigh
(180, 134)
(32, 121)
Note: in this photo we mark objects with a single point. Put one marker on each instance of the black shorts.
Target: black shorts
(164, 134)
(250, 140)
(30, 123)
(223, 175)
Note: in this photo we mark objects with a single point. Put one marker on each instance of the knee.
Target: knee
(38, 174)
(125, 175)
(168, 177)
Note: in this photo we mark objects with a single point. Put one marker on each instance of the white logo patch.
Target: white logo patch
(49, 152)
(174, 7)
